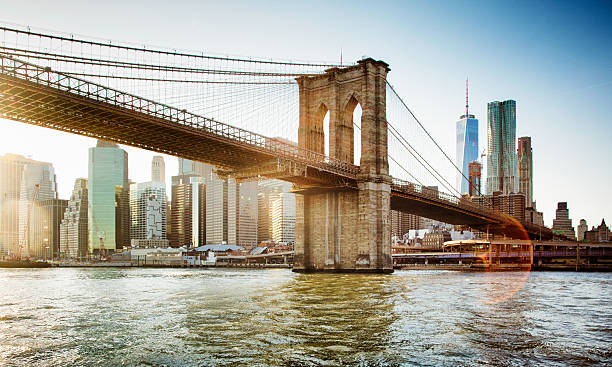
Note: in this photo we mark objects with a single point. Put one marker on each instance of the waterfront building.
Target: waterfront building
(148, 214)
(267, 192)
(247, 214)
(562, 224)
(436, 239)
(188, 216)
(467, 146)
(44, 234)
(525, 169)
(108, 193)
(475, 173)
(158, 169)
(73, 228)
(581, 229)
(283, 218)
(501, 158)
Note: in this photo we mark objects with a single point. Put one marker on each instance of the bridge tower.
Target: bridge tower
(339, 229)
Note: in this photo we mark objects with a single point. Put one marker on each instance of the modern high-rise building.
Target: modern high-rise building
(37, 184)
(73, 228)
(268, 191)
(283, 218)
(525, 169)
(467, 146)
(475, 176)
(158, 169)
(582, 228)
(188, 216)
(501, 158)
(148, 214)
(247, 214)
(108, 198)
(562, 224)
(46, 217)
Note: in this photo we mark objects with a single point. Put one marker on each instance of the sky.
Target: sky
(554, 58)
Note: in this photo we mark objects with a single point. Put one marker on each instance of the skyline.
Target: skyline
(423, 82)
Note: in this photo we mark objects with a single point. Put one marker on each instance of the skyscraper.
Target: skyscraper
(188, 217)
(475, 176)
(11, 173)
(268, 191)
(247, 214)
(108, 194)
(37, 184)
(221, 210)
(283, 218)
(562, 224)
(158, 169)
(187, 167)
(45, 228)
(525, 169)
(73, 228)
(467, 146)
(148, 214)
(501, 158)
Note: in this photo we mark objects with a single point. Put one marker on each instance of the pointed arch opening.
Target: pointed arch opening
(352, 118)
(323, 126)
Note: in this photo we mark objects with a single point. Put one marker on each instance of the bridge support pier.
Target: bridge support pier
(344, 231)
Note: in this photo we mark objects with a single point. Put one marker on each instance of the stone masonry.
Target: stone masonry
(338, 229)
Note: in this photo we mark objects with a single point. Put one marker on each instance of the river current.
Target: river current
(217, 317)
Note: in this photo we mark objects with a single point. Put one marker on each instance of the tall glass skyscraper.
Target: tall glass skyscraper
(502, 165)
(467, 147)
(108, 194)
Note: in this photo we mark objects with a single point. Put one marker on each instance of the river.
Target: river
(217, 317)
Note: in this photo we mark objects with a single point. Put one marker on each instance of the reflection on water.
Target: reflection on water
(163, 317)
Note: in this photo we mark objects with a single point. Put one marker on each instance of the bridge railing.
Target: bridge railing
(46, 77)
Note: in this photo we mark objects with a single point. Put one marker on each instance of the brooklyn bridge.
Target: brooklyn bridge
(360, 150)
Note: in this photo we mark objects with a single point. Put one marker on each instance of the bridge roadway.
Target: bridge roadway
(40, 96)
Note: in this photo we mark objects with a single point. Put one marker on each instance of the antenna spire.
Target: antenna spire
(466, 99)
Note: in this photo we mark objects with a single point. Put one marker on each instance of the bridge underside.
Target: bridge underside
(36, 104)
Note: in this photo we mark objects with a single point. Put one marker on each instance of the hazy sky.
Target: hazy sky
(554, 59)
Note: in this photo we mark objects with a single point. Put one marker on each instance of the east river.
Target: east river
(215, 317)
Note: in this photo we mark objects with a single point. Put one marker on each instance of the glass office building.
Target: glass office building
(467, 150)
(108, 194)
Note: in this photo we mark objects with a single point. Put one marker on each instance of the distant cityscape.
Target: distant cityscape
(107, 213)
